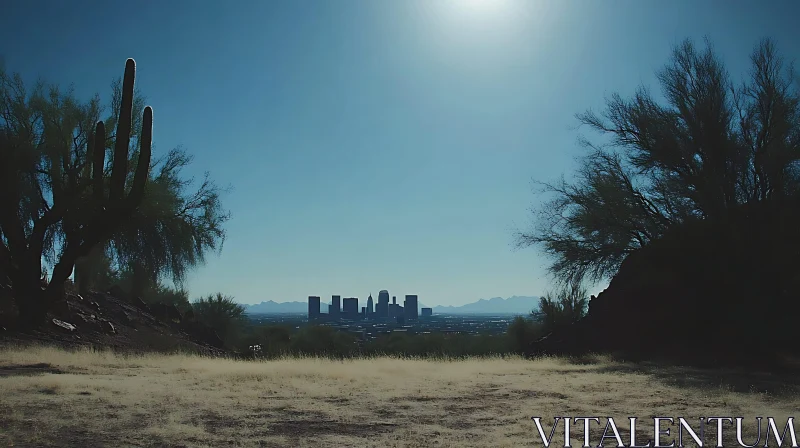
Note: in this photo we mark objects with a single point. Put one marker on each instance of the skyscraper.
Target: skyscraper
(410, 308)
(369, 305)
(335, 309)
(350, 308)
(313, 307)
(382, 308)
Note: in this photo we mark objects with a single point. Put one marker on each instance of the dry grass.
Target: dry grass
(101, 399)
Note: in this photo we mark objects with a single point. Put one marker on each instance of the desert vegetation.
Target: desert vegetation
(688, 203)
(97, 235)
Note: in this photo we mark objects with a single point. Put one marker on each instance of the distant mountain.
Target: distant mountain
(272, 307)
(497, 305)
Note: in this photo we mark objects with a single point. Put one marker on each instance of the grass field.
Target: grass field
(51, 397)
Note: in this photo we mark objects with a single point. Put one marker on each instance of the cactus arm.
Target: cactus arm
(119, 171)
(143, 167)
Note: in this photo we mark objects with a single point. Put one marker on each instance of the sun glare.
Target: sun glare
(480, 7)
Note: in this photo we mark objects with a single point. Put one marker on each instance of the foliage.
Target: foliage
(565, 306)
(174, 227)
(269, 341)
(522, 332)
(710, 147)
(222, 313)
(60, 198)
(272, 341)
(319, 340)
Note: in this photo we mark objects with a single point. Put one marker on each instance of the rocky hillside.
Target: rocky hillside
(112, 320)
(713, 292)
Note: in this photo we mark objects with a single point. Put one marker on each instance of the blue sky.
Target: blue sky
(376, 144)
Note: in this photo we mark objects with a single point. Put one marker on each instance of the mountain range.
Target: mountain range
(496, 305)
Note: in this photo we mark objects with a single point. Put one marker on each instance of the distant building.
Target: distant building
(369, 305)
(363, 312)
(313, 307)
(393, 309)
(350, 308)
(336, 307)
(411, 308)
(427, 312)
(382, 308)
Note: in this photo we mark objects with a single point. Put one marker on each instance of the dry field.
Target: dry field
(50, 397)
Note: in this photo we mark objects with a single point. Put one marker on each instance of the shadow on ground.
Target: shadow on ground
(28, 369)
(777, 381)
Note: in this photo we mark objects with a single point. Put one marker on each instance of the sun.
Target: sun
(480, 10)
(480, 7)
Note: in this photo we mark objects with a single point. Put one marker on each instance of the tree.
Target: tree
(59, 198)
(221, 313)
(563, 307)
(709, 149)
(172, 229)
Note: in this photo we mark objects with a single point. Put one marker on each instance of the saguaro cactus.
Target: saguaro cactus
(86, 219)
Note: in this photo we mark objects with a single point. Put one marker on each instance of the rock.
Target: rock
(96, 305)
(110, 327)
(75, 297)
(66, 326)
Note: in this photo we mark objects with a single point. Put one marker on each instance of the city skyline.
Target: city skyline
(494, 305)
(350, 308)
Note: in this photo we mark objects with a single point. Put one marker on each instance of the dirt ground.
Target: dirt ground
(53, 397)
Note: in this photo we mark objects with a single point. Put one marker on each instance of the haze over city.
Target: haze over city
(375, 145)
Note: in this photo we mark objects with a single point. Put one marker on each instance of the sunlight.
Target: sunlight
(481, 6)
(478, 36)
(480, 9)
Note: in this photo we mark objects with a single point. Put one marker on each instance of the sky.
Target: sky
(376, 144)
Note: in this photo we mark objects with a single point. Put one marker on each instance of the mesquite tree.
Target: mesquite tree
(711, 147)
(58, 198)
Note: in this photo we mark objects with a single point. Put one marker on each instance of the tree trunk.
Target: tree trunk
(82, 275)
(139, 281)
(31, 302)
